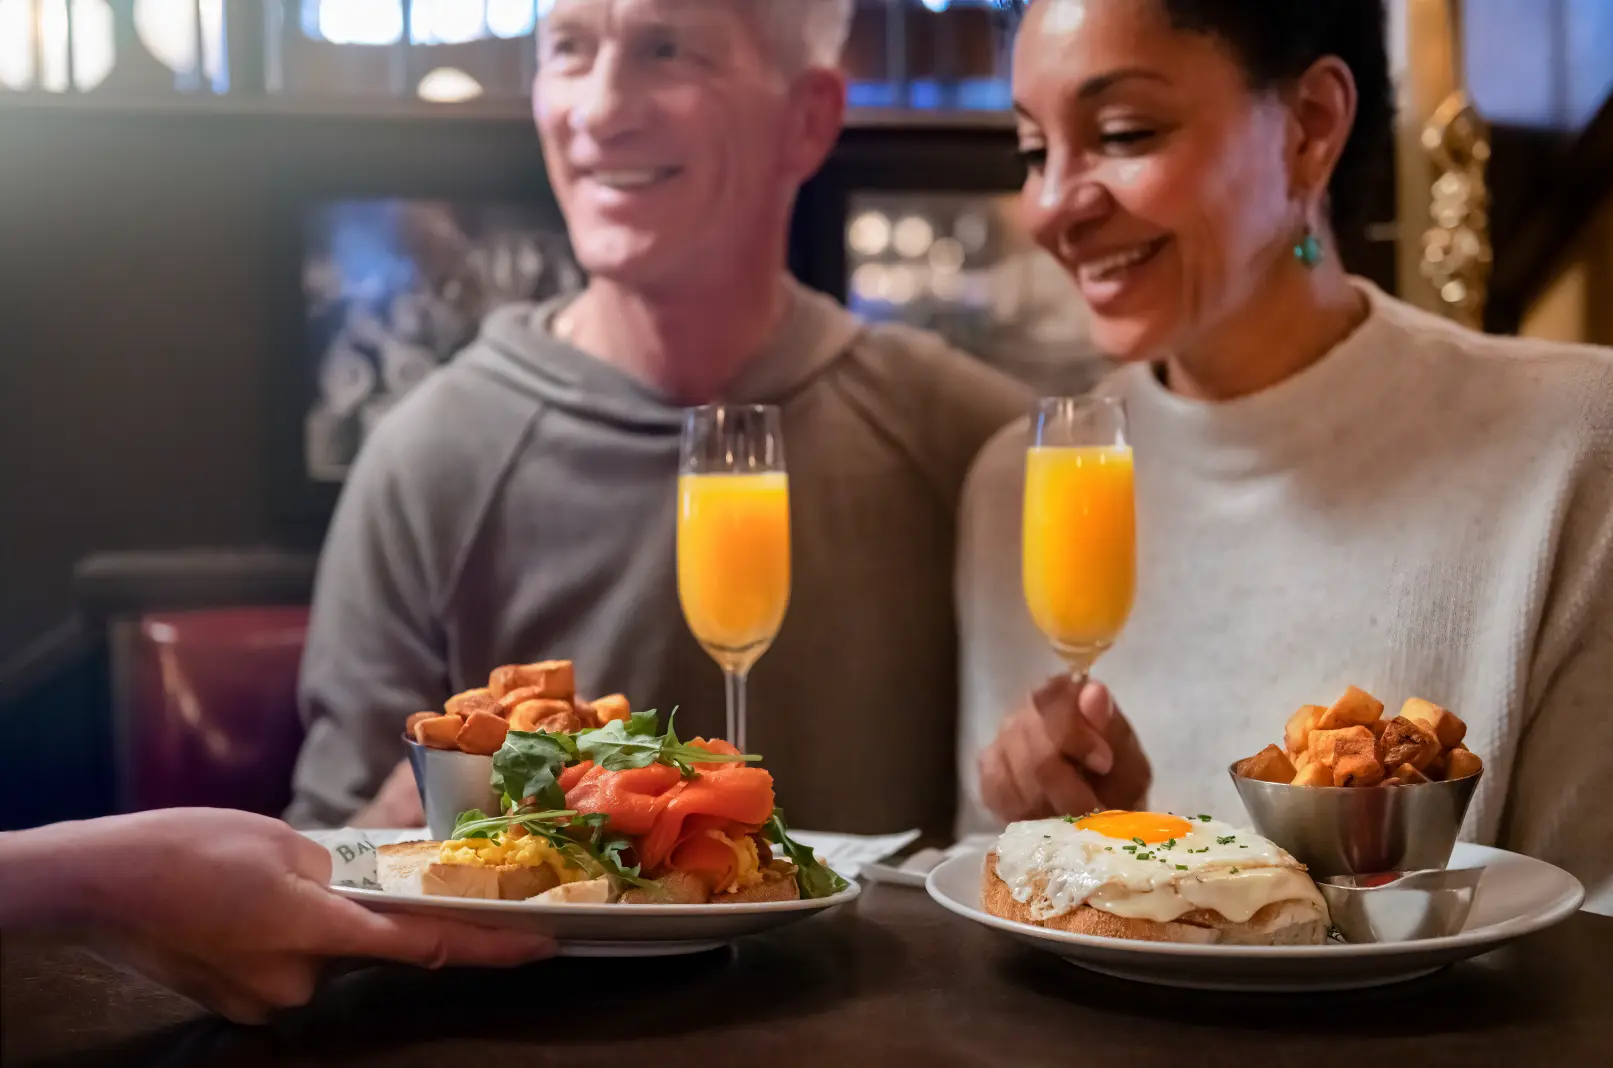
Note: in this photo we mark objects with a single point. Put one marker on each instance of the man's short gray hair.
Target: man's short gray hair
(805, 33)
(799, 33)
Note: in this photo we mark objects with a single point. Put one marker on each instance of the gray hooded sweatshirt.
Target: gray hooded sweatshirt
(520, 505)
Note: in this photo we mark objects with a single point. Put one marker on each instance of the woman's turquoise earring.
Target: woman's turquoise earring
(1308, 250)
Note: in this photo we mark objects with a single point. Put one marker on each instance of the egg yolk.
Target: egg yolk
(1150, 827)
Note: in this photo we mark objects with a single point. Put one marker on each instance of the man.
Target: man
(521, 504)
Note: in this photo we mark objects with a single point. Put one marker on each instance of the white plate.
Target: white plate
(1517, 895)
(612, 930)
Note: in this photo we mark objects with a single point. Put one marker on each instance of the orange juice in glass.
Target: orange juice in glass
(734, 561)
(733, 540)
(1080, 537)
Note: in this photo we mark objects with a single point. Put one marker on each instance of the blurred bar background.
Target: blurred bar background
(233, 234)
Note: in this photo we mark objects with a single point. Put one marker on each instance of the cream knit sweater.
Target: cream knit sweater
(1425, 512)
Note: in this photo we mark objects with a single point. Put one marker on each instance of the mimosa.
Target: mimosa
(1080, 569)
(734, 562)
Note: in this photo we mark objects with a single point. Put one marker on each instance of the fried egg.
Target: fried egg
(1147, 865)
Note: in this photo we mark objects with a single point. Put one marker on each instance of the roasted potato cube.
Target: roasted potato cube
(1271, 764)
(1393, 780)
(483, 733)
(415, 720)
(515, 698)
(439, 732)
(1377, 727)
(1303, 761)
(1460, 763)
(1314, 775)
(556, 717)
(1350, 753)
(1409, 775)
(554, 679)
(1441, 723)
(1358, 771)
(1405, 741)
(1356, 708)
(463, 704)
(1297, 734)
(609, 709)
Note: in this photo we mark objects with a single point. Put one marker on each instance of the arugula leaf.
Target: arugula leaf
(633, 743)
(463, 822)
(814, 878)
(527, 768)
(622, 744)
(579, 838)
(486, 826)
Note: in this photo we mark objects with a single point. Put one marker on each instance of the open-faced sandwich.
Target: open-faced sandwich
(621, 813)
(1155, 877)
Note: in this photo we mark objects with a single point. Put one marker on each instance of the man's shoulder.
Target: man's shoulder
(457, 415)
(907, 362)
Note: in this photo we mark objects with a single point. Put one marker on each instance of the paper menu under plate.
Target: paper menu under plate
(352, 853)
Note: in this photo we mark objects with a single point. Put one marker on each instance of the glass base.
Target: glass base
(1080, 657)
(737, 660)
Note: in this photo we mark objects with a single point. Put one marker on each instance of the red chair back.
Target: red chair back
(212, 714)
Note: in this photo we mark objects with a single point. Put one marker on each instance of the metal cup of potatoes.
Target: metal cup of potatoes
(1352, 793)
(451, 752)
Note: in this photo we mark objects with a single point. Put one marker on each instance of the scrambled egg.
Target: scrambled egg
(748, 871)
(528, 852)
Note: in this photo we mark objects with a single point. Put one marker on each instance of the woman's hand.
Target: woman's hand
(1066, 751)
(230, 909)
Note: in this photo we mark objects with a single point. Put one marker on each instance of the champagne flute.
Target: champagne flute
(733, 539)
(1080, 538)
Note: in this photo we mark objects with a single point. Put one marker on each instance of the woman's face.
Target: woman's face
(1157, 178)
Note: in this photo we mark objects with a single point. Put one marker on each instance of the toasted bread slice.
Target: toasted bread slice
(1281, 923)
(682, 888)
(673, 888)
(505, 882)
(400, 866)
(414, 868)
(584, 892)
(778, 884)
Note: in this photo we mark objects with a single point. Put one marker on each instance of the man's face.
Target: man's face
(673, 144)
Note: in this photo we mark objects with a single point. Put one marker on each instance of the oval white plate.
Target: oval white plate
(1517, 895)
(612, 930)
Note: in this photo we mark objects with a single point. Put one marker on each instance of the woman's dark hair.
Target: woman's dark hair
(1277, 40)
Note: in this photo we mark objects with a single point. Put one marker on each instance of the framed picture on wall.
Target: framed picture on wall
(393, 288)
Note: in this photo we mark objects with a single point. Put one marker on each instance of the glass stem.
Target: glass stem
(736, 708)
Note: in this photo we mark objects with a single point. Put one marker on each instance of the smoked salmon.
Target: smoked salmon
(665, 812)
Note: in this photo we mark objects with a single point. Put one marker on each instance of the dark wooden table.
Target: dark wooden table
(891, 980)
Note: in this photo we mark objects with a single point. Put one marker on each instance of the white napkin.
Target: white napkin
(914, 870)
(849, 853)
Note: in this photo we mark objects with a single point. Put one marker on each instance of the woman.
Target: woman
(1333, 487)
